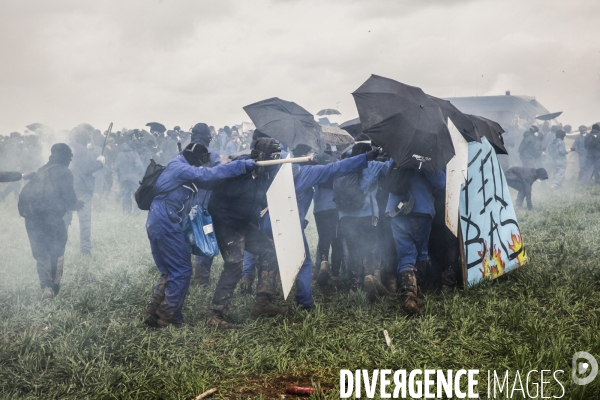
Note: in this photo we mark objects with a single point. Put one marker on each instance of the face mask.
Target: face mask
(538, 180)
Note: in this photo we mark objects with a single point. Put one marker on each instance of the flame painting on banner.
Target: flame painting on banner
(492, 240)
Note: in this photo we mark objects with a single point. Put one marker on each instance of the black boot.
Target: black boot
(216, 319)
(246, 285)
(323, 275)
(408, 293)
(149, 317)
(264, 307)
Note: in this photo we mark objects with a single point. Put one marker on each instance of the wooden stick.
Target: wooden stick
(206, 394)
(283, 161)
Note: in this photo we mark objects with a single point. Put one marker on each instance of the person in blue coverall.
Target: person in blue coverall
(175, 194)
(359, 228)
(411, 231)
(203, 264)
(305, 178)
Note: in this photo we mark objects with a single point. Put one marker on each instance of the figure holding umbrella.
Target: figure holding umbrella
(411, 128)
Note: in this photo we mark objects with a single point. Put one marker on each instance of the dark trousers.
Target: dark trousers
(233, 241)
(361, 238)
(593, 170)
(202, 267)
(48, 238)
(327, 226)
(127, 190)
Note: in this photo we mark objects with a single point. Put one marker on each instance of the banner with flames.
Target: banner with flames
(492, 240)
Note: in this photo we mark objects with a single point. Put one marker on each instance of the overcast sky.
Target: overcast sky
(63, 62)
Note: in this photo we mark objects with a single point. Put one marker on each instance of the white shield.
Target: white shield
(456, 173)
(287, 232)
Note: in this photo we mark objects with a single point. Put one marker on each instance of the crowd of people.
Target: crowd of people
(381, 227)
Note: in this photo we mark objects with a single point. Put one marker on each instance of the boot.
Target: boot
(323, 275)
(216, 319)
(264, 307)
(381, 290)
(58, 275)
(391, 281)
(408, 293)
(150, 319)
(448, 279)
(370, 288)
(163, 323)
(246, 285)
(48, 294)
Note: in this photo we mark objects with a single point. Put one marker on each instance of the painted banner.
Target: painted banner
(285, 222)
(492, 240)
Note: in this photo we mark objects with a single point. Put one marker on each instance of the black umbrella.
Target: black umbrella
(39, 128)
(491, 130)
(548, 117)
(286, 122)
(405, 122)
(461, 121)
(156, 127)
(353, 127)
(329, 111)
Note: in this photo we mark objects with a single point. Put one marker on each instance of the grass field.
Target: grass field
(89, 343)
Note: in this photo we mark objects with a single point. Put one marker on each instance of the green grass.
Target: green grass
(89, 343)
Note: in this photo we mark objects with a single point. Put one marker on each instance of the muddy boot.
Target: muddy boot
(408, 293)
(47, 294)
(381, 289)
(149, 317)
(448, 279)
(216, 319)
(370, 288)
(246, 285)
(323, 275)
(336, 283)
(163, 323)
(391, 281)
(264, 307)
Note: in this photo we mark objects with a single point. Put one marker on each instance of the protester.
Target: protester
(411, 226)
(44, 222)
(175, 193)
(130, 171)
(530, 149)
(355, 197)
(558, 154)
(592, 148)
(202, 264)
(579, 147)
(522, 179)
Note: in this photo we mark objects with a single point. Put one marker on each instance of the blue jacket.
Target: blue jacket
(84, 164)
(203, 196)
(128, 165)
(369, 184)
(177, 186)
(235, 202)
(422, 186)
(307, 176)
(323, 199)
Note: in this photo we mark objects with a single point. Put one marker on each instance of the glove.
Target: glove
(79, 205)
(28, 175)
(372, 155)
(250, 165)
(101, 159)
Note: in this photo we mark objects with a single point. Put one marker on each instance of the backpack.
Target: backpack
(347, 194)
(38, 197)
(145, 193)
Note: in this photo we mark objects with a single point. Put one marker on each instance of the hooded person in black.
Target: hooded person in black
(232, 206)
(522, 179)
(592, 147)
(46, 230)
